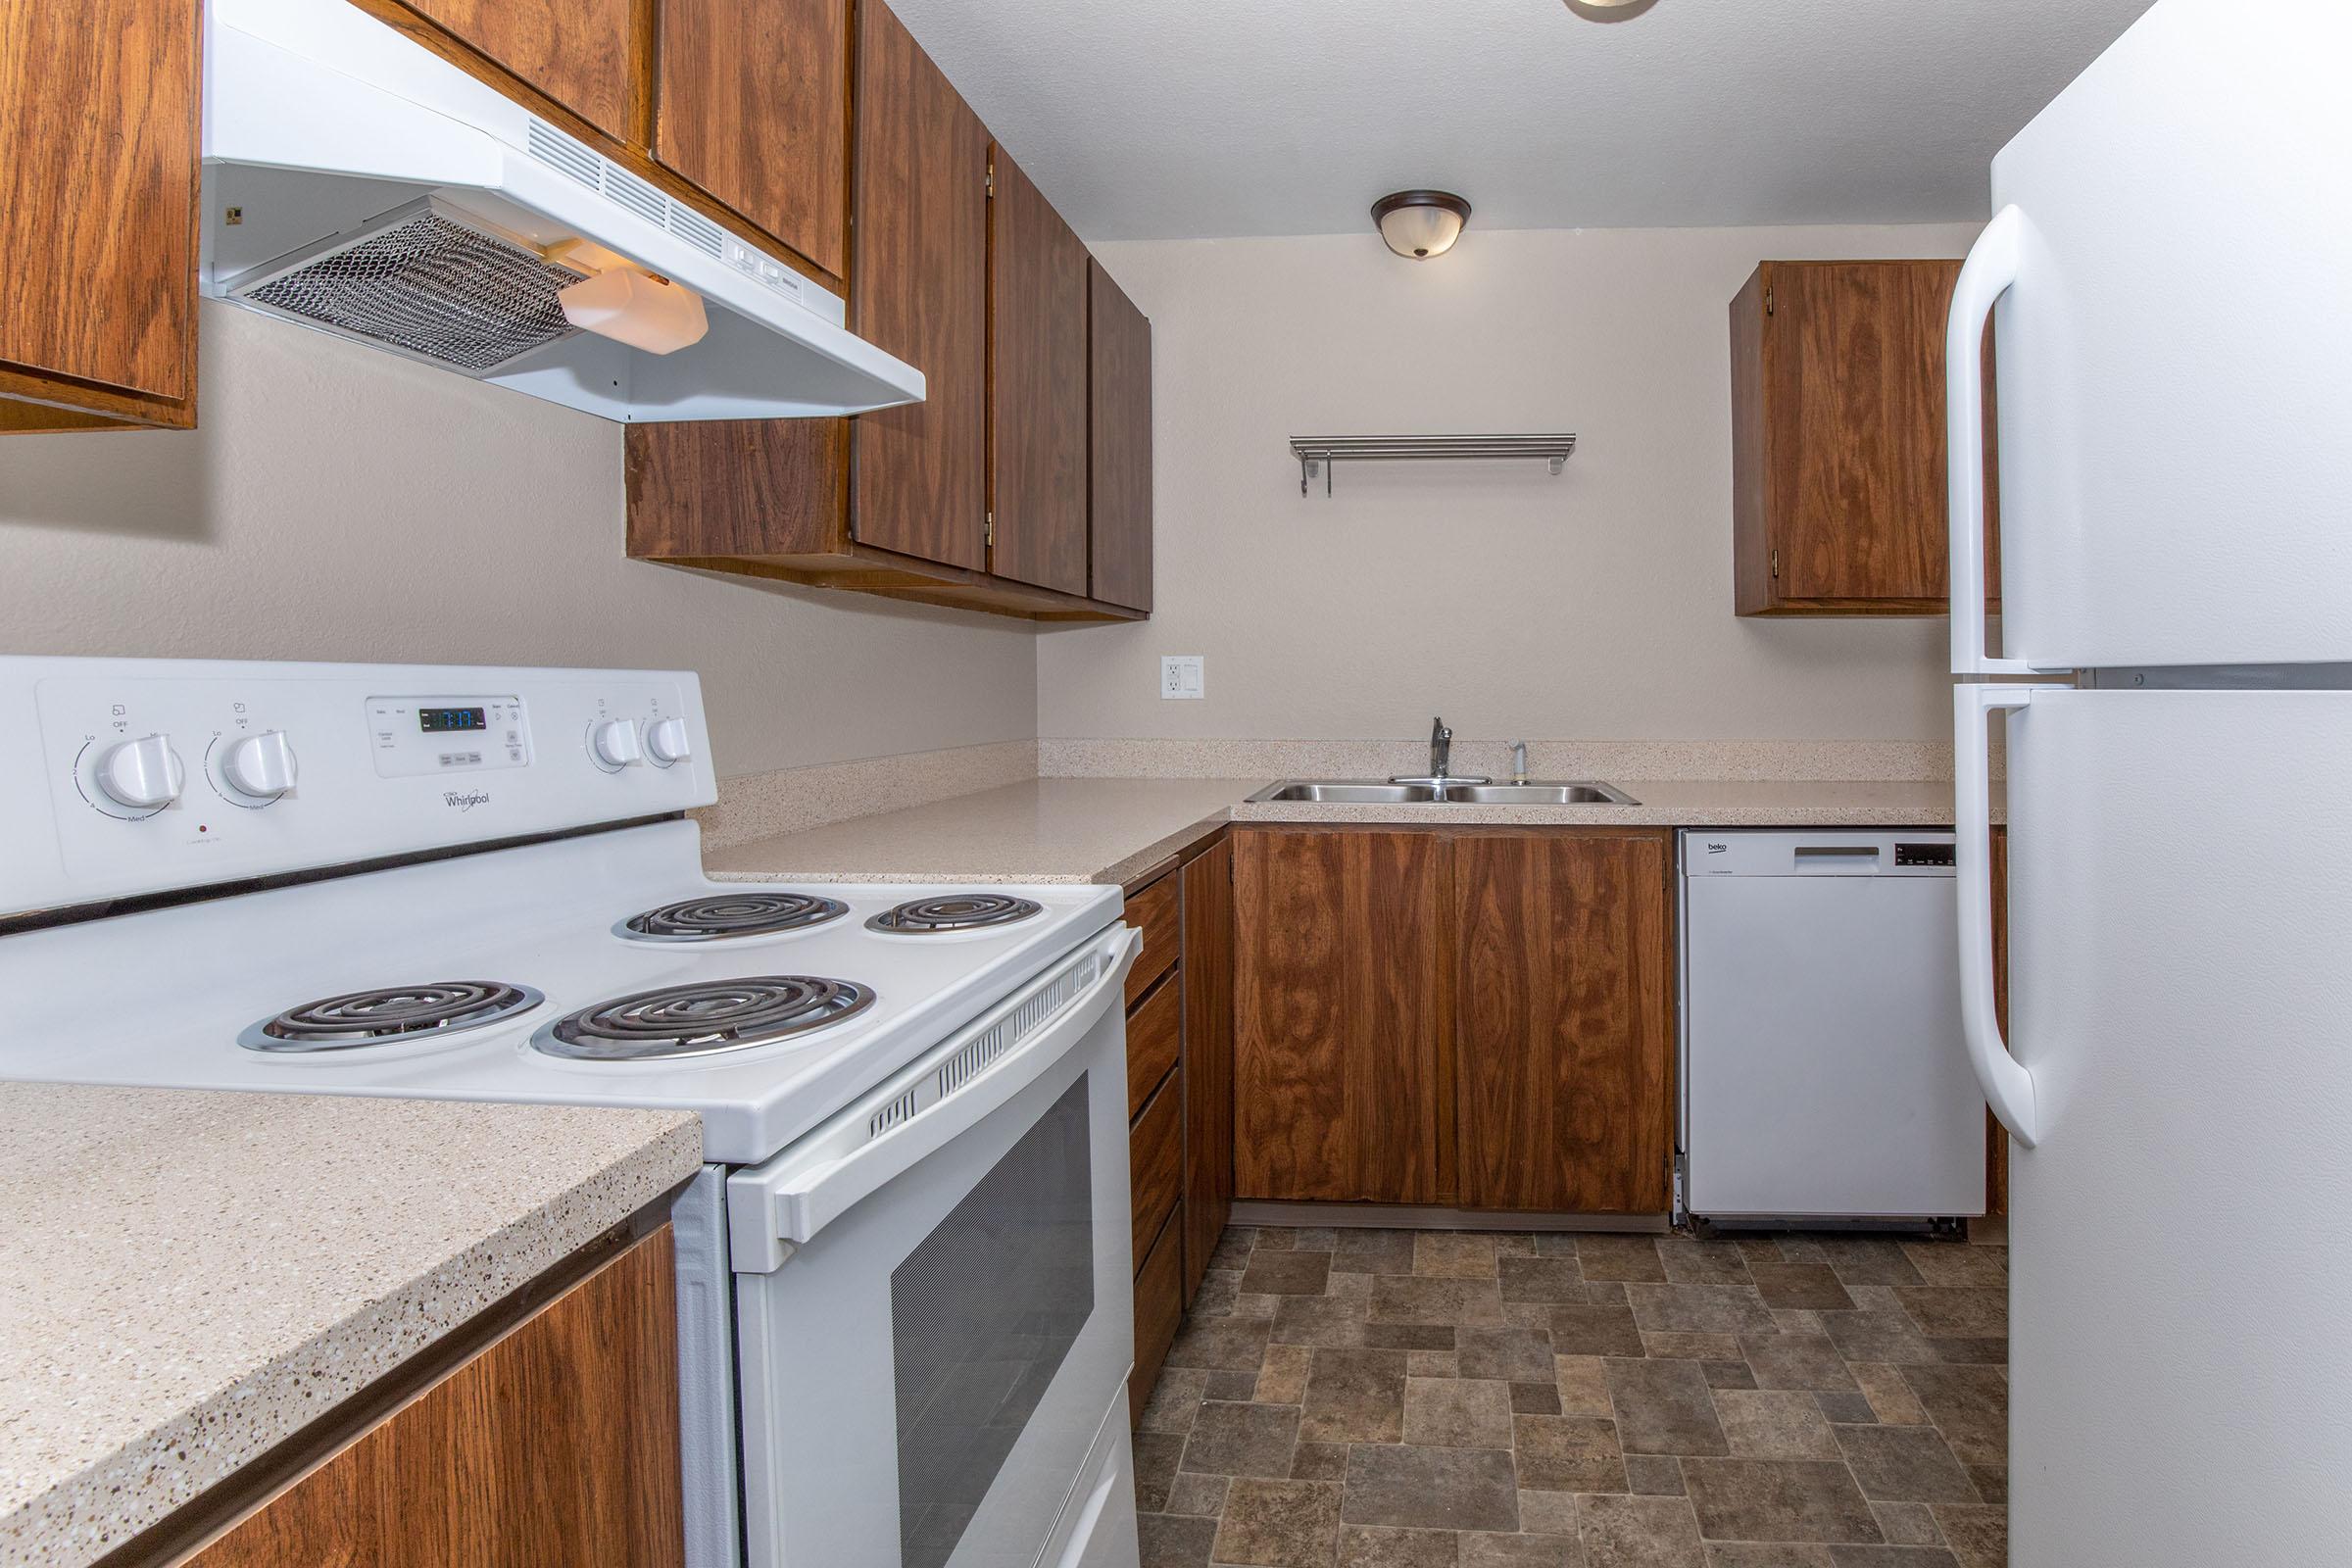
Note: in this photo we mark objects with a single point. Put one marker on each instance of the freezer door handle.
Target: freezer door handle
(1990, 271)
(2008, 1086)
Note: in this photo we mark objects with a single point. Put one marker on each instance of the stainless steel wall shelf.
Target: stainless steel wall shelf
(1323, 452)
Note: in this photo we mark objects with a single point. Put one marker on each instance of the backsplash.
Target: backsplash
(756, 805)
(1876, 761)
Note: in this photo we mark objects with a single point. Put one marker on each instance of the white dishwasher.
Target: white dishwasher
(1824, 1075)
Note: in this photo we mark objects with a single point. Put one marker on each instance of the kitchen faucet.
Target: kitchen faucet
(1441, 764)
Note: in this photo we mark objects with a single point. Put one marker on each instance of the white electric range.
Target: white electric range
(905, 1308)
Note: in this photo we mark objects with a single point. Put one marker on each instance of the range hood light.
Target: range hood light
(1421, 224)
(634, 307)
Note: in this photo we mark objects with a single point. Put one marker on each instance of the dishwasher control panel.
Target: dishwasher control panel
(1828, 851)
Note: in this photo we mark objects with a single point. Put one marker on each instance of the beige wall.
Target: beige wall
(1596, 606)
(340, 504)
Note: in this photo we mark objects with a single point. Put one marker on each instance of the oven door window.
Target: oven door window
(982, 1315)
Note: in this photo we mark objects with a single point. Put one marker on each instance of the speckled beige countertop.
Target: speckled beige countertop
(1111, 829)
(193, 1277)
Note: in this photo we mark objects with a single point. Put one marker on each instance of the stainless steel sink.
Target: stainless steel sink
(1347, 791)
(1372, 792)
(1580, 793)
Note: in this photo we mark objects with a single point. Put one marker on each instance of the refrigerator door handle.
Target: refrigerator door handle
(1990, 269)
(2008, 1086)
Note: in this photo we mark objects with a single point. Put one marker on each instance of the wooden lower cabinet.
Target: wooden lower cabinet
(1564, 1020)
(1156, 1161)
(1474, 1018)
(1158, 1312)
(1208, 1058)
(557, 1444)
(1179, 1091)
(1342, 972)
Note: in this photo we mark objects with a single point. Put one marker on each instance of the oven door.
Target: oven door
(934, 1301)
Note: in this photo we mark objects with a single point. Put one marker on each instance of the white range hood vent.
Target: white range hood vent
(356, 184)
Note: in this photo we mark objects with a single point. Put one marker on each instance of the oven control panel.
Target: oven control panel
(408, 736)
(132, 776)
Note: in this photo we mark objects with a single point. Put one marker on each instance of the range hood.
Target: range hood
(358, 183)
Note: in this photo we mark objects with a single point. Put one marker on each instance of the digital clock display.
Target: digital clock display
(450, 720)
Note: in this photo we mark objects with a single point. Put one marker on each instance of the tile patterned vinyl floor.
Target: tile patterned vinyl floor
(1450, 1399)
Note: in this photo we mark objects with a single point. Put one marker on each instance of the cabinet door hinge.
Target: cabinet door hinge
(1776, 563)
(988, 532)
(1766, 295)
(991, 179)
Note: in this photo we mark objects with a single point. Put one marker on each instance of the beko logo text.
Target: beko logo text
(1717, 849)
(465, 799)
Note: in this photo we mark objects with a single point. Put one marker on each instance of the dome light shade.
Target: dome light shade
(1421, 224)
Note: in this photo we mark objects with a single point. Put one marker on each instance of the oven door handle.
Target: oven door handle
(775, 1208)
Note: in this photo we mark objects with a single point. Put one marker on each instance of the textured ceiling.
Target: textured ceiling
(1163, 118)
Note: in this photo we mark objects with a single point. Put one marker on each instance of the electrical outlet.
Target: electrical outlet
(1180, 677)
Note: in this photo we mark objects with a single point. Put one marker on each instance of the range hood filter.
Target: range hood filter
(427, 281)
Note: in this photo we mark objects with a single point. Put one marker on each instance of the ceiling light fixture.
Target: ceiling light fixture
(1421, 224)
(1609, 9)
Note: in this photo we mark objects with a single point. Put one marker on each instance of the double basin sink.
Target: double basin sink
(1370, 792)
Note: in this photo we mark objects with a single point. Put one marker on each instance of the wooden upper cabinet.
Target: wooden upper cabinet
(1037, 435)
(919, 290)
(1564, 1020)
(1120, 442)
(558, 1444)
(1342, 971)
(1838, 415)
(98, 226)
(752, 105)
(585, 55)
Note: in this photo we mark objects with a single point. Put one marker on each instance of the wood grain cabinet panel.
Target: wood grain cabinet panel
(1341, 969)
(557, 1444)
(1038, 432)
(1119, 443)
(1208, 1058)
(1564, 1030)
(920, 292)
(1157, 912)
(98, 159)
(1155, 1162)
(586, 55)
(1839, 449)
(1155, 1043)
(753, 106)
(1158, 1312)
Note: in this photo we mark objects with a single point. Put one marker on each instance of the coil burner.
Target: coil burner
(955, 911)
(393, 1015)
(703, 1019)
(718, 917)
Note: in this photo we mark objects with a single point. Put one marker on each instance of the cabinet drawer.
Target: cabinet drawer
(1159, 1309)
(1154, 912)
(1154, 1037)
(1156, 1161)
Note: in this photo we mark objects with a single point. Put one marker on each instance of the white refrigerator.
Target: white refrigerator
(2170, 279)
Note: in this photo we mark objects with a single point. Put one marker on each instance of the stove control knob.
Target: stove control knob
(261, 766)
(666, 740)
(143, 775)
(616, 742)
